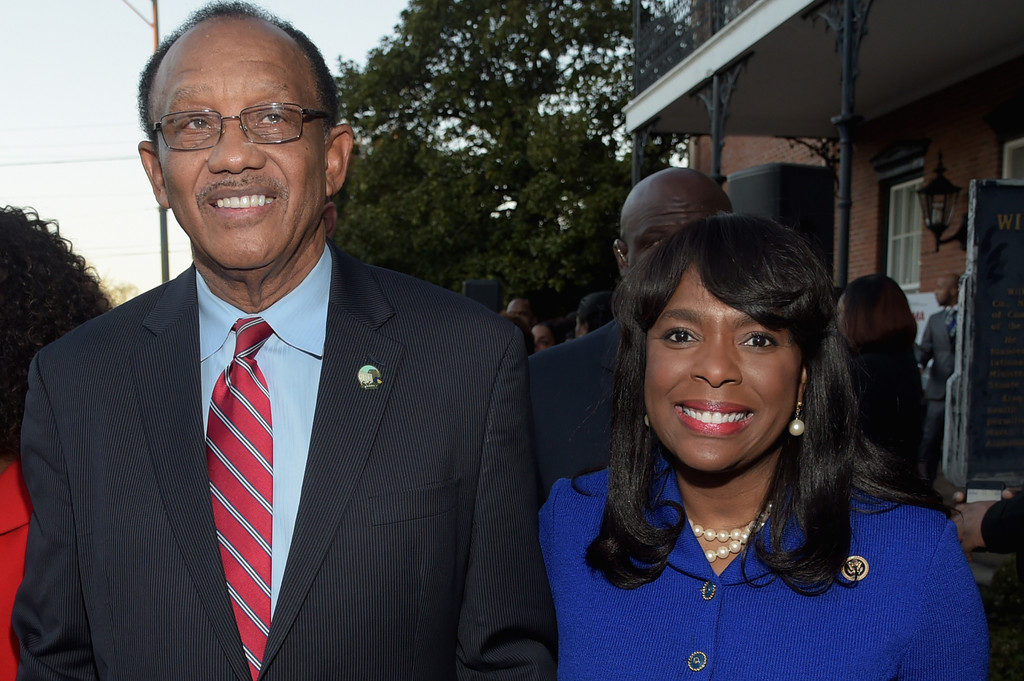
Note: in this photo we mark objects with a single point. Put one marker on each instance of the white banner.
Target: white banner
(923, 305)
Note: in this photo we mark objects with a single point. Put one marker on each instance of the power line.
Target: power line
(119, 249)
(64, 145)
(77, 126)
(147, 194)
(138, 253)
(97, 159)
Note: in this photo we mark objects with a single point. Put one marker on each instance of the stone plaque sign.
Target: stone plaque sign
(985, 409)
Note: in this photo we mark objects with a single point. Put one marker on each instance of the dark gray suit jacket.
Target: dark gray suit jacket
(571, 391)
(936, 344)
(415, 551)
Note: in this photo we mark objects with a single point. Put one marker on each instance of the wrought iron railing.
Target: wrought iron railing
(666, 31)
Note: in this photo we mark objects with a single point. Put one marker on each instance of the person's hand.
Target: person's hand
(968, 520)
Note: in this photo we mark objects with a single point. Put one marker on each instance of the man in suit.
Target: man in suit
(571, 383)
(938, 343)
(279, 465)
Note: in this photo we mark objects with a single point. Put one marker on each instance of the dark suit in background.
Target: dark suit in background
(415, 552)
(937, 344)
(571, 391)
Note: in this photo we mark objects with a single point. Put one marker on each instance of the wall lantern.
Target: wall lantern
(938, 201)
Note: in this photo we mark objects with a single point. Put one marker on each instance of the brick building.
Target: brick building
(932, 79)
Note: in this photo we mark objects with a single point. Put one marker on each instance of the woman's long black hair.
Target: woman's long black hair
(769, 273)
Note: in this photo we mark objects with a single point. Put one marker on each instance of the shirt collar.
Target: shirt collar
(299, 319)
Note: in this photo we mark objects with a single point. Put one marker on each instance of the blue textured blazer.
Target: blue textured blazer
(415, 549)
(914, 615)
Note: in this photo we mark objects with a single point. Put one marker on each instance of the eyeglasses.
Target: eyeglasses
(273, 123)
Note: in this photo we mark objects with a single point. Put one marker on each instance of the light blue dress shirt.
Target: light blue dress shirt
(290, 360)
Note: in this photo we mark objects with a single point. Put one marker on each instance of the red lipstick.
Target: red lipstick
(713, 418)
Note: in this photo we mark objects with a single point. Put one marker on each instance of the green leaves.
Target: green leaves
(490, 144)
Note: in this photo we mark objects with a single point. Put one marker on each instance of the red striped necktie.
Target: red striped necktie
(240, 460)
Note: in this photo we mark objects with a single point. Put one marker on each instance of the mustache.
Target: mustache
(262, 184)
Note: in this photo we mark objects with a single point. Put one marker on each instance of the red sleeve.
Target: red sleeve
(14, 514)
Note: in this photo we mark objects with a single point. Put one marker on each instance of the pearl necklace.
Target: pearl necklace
(733, 540)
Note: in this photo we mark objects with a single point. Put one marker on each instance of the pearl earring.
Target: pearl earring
(647, 421)
(796, 426)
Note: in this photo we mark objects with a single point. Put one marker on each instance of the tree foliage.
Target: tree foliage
(490, 143)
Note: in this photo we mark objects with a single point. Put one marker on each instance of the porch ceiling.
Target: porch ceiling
(790, 85)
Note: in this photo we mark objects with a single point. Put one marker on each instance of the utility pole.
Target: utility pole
(165, 267)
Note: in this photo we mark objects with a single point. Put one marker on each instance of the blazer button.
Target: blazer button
(697, 661)
(708, 591)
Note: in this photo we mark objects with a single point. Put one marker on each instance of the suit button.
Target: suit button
(708, 591)
(697, 661)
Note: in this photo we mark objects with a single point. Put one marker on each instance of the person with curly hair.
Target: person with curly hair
(745, 528)
(47, 290)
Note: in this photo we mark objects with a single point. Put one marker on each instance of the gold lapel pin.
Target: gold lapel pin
(369, 377)
(855, 568)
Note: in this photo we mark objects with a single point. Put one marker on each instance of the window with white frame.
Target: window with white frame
(904, 247)
(1013, 159)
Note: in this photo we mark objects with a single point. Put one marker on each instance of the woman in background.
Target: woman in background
(593, 312)
(543, 336)
(879, 327)
(46, 290)
(744, 528)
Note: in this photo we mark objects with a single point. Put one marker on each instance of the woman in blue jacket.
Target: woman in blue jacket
(744, 528)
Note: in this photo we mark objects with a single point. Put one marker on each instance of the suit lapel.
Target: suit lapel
(344, 428)
(168, 384)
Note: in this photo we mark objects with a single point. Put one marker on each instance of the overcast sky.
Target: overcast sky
(69, 124)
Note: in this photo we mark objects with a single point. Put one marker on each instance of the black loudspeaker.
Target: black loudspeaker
(487, 292)
(796, 195)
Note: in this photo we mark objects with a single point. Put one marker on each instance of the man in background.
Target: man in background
(938, 344)
(571, 384)
(520, 307)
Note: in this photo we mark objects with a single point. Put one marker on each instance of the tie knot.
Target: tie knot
(250, 335)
